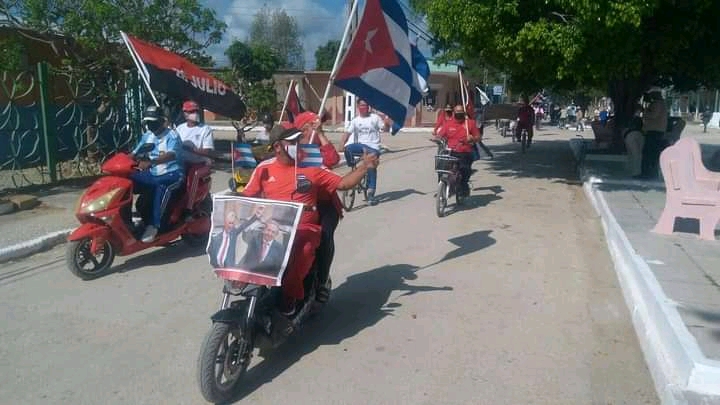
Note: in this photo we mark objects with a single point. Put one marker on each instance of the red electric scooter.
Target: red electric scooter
(107, 227)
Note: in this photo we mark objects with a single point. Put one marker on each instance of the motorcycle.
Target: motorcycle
(107, 227)
(248, 319)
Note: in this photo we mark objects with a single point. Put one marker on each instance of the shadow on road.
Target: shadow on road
(396, 195)
(171, 253)
(359, 303)
(551, 159)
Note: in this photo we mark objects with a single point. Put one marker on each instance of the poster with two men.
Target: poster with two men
(251, 238)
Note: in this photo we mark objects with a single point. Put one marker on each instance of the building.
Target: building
(443, 83)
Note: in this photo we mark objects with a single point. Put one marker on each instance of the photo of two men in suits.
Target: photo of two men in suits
(253, 237)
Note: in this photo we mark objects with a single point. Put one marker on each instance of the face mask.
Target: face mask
(459, 116)
(195, 117)
(153, 126)
(291, 151)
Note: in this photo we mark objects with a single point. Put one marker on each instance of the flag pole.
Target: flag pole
(141, 71)
(464, 96)
(312, 88)
(232, 160)
(337, 60)
(287, 97)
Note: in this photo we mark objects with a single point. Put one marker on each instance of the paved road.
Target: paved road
(511, 301)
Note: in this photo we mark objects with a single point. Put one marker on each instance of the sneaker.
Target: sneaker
(149, 234)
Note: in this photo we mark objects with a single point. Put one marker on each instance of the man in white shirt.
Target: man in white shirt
(362, 134)
(199, 137)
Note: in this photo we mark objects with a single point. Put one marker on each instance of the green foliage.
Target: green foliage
(12, 54)
(620, 45)
(182, 26)
(252, 62)
(262, 96)
(325, 55)
(277, 30)
(252, 70)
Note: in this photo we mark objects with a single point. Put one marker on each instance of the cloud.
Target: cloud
(318, 21)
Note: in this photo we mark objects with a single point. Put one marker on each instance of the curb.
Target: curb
(33, 246)
(681, 372)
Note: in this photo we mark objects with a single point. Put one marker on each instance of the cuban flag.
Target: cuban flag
(381, 65)
(311, 156)
(243, 156)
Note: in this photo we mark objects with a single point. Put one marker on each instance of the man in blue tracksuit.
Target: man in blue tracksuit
(162, 172)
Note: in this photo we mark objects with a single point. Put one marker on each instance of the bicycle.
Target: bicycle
(523, 138)
(348, 196)
(449, 177)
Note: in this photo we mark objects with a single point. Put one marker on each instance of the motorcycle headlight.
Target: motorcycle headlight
(99, 203)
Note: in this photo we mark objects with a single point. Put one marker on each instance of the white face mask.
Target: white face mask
(195, 117)
(291, 151)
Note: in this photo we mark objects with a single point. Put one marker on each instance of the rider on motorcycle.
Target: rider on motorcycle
(280, 178)
(162, 171)
(329, 204)
(197, 137)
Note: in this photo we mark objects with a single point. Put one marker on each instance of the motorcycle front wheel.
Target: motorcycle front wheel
(224, 358)
(86, 265)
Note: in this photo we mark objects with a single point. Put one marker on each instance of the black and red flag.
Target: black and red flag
(294, 108)
(175, 76)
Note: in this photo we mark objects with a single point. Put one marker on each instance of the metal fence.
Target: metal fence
(55, 125)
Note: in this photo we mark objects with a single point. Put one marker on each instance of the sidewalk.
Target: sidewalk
(26, 232)
(671, 284)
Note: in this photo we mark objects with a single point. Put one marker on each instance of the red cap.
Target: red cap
(190, 106)
(304, 118)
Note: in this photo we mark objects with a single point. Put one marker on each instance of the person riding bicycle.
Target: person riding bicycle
(280, 178)
(461, 134)
(525, 120)
(365, 129)
(329, 205)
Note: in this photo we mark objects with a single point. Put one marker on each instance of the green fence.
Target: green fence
(55, 125)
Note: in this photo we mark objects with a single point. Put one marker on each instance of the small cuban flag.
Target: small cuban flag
(311, 156)
(243, 156)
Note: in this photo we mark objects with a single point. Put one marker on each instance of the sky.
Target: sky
(319, 21)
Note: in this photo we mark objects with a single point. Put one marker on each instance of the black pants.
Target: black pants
(329, 219)
(466, 159)
(654, 145)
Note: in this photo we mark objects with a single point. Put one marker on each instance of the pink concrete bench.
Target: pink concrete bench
(692, 191)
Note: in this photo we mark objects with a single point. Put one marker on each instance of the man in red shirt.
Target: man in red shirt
(526, 119)
(461, 134)
(329, 204)
(280, 178)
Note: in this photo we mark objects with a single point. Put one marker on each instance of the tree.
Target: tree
(325, 55)
(280, 32)
(182, 26)
(623, 46)
(252, 68)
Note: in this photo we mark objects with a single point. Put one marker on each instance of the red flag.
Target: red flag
(175, 76)
(294, 108)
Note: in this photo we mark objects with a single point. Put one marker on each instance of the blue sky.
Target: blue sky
(319, 22)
